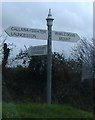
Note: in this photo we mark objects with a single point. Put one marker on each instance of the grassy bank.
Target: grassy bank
(0, 110)
(33, 110)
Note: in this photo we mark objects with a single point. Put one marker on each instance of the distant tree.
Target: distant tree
(6, 52)
(83, 54)
(5, 49)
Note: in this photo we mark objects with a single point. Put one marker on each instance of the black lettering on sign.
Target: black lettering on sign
(58, 33)
(24, 35)
(31, 36)
(64, 38)
(18, 29)
(69, 34)
(14, 34)
(65, 34)
(12, 28)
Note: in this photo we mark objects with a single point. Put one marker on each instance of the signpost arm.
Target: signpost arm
(49, 56)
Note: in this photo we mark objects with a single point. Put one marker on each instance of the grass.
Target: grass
(34, 110)
(0, 110)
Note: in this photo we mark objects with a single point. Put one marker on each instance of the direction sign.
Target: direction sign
(65, 36)
(13, 31)
(37, 50)
(32, 33)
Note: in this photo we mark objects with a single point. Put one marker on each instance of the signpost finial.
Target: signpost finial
(49, 12)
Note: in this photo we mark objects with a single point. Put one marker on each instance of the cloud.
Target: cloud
(0, 18)
(68, 17)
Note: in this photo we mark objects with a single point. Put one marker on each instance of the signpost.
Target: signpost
(48, 35)
(37, 50)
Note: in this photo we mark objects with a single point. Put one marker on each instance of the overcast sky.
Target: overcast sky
(68, 17)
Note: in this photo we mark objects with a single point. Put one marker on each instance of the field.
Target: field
(34, 110)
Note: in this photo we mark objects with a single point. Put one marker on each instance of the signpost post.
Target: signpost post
(48, 35)
(49, 56)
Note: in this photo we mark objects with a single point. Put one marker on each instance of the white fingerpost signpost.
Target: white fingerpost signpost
(48, 35)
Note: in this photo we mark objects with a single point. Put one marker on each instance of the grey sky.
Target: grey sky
(68, 17)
